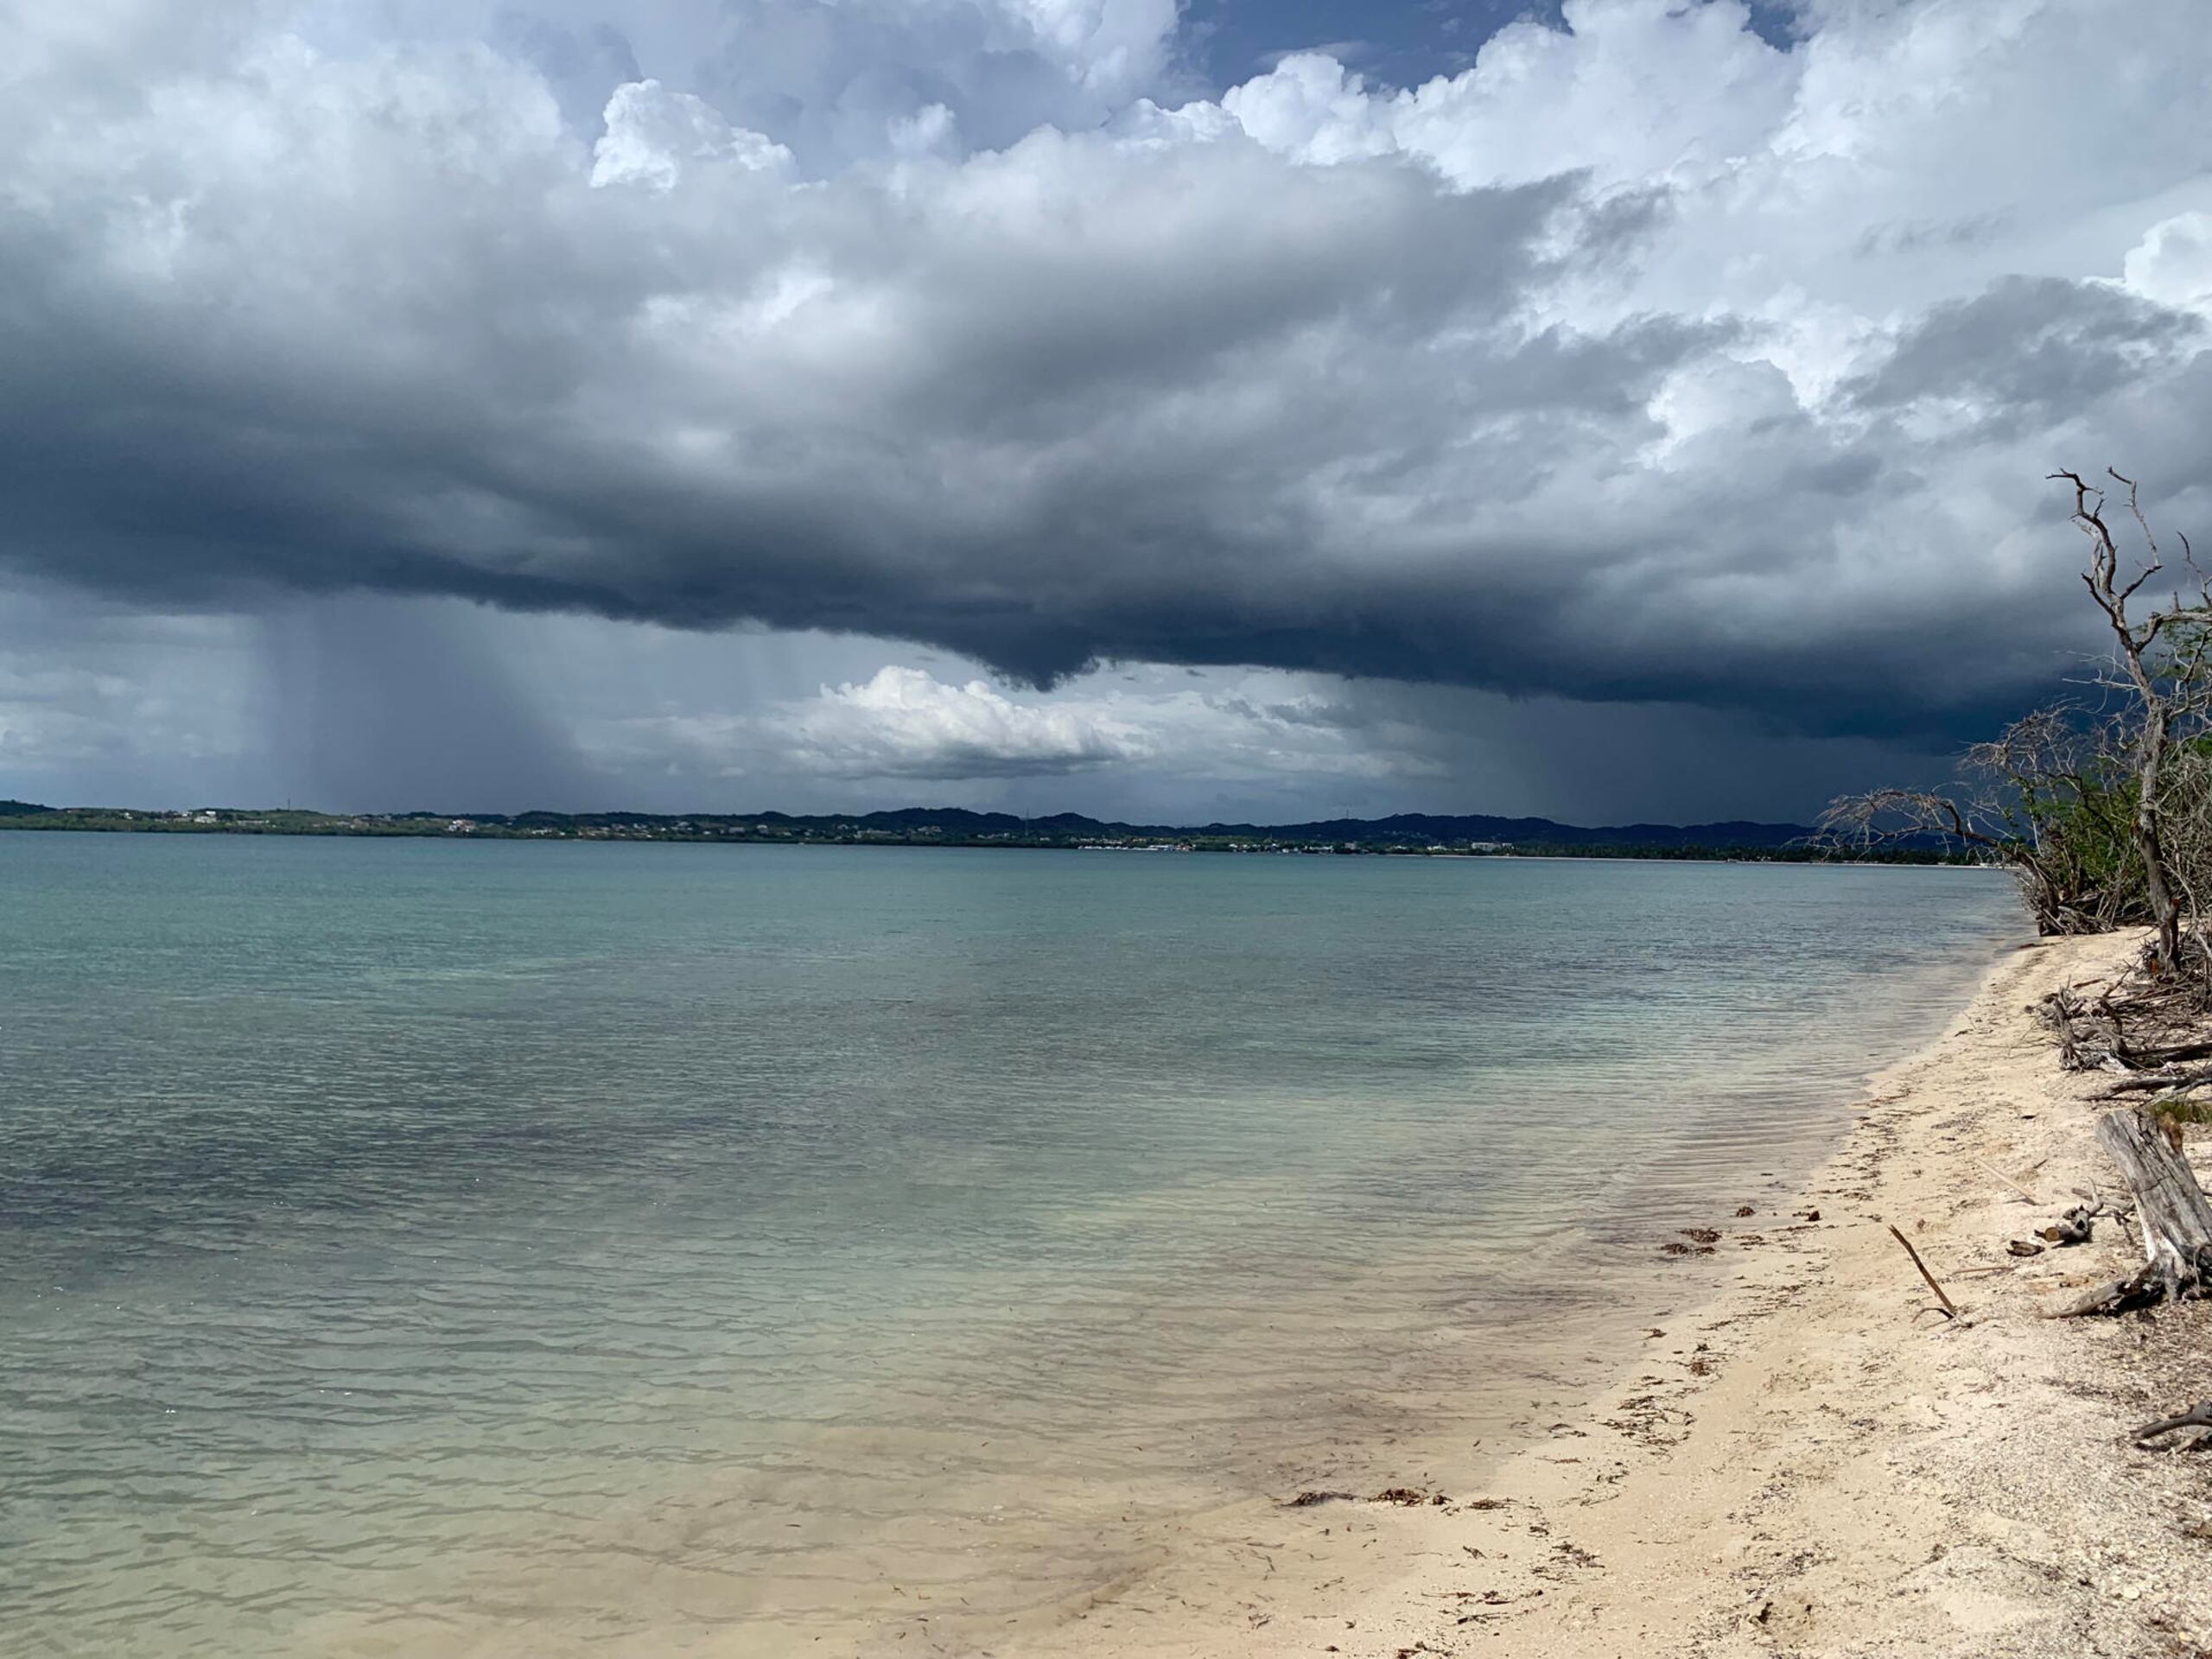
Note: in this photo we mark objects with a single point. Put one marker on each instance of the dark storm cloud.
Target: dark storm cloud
(1414, 389)
(2031, 346)
(382, 705)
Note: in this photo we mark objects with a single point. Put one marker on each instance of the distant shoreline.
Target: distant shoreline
(1407, 836)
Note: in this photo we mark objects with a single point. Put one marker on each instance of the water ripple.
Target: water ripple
(536, 1250)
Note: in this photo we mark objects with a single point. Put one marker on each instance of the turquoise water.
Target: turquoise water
(439, 1248)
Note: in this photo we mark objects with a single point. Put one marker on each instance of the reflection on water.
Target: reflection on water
(430, 1248)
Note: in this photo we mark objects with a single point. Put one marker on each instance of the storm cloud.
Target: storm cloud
(1645, 360)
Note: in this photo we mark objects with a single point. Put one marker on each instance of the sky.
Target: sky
(1613, 410)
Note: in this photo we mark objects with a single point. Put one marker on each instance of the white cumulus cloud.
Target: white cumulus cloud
(652, 134)
(2173, 262)
(906, 723)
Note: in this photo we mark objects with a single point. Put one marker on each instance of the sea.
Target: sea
(435, 1247)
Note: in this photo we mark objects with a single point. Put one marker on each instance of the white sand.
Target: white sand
(1810, 1464)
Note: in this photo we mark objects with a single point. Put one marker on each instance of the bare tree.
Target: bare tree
(2041, 798)
(2169, 690)
(2185, 836)
(2104, 814)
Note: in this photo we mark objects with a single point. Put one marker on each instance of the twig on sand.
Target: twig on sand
(1992, 1170)
(1950, 1309)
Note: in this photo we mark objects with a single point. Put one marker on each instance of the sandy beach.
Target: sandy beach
(1814, 1460)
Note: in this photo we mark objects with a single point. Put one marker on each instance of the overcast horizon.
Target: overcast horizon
(1621, 410)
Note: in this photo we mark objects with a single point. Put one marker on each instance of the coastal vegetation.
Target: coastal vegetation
(2101, 801)
(2102, 805)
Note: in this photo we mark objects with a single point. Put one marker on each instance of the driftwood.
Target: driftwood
(2171, 1208)
(2143, 1028)
(2198, 1417)
(2150, 1082)
(2171, 1054)
(2091, 1037)
(2000, 1175)
(2078, 1224)
(2097, 1036)
(1950, 1311)
(2072, 1228)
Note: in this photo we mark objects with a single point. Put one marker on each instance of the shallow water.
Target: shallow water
(439, 1248)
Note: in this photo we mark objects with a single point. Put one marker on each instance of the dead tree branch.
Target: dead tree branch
(2198, 1417)
(2175, 1216)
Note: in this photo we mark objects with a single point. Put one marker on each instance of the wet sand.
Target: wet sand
(1803, 1459)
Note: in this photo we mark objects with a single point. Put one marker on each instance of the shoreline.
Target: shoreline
(1192, 841)
(1803, 1460)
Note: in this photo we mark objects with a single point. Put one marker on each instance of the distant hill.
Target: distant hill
(1407, 829)
(954, 825)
